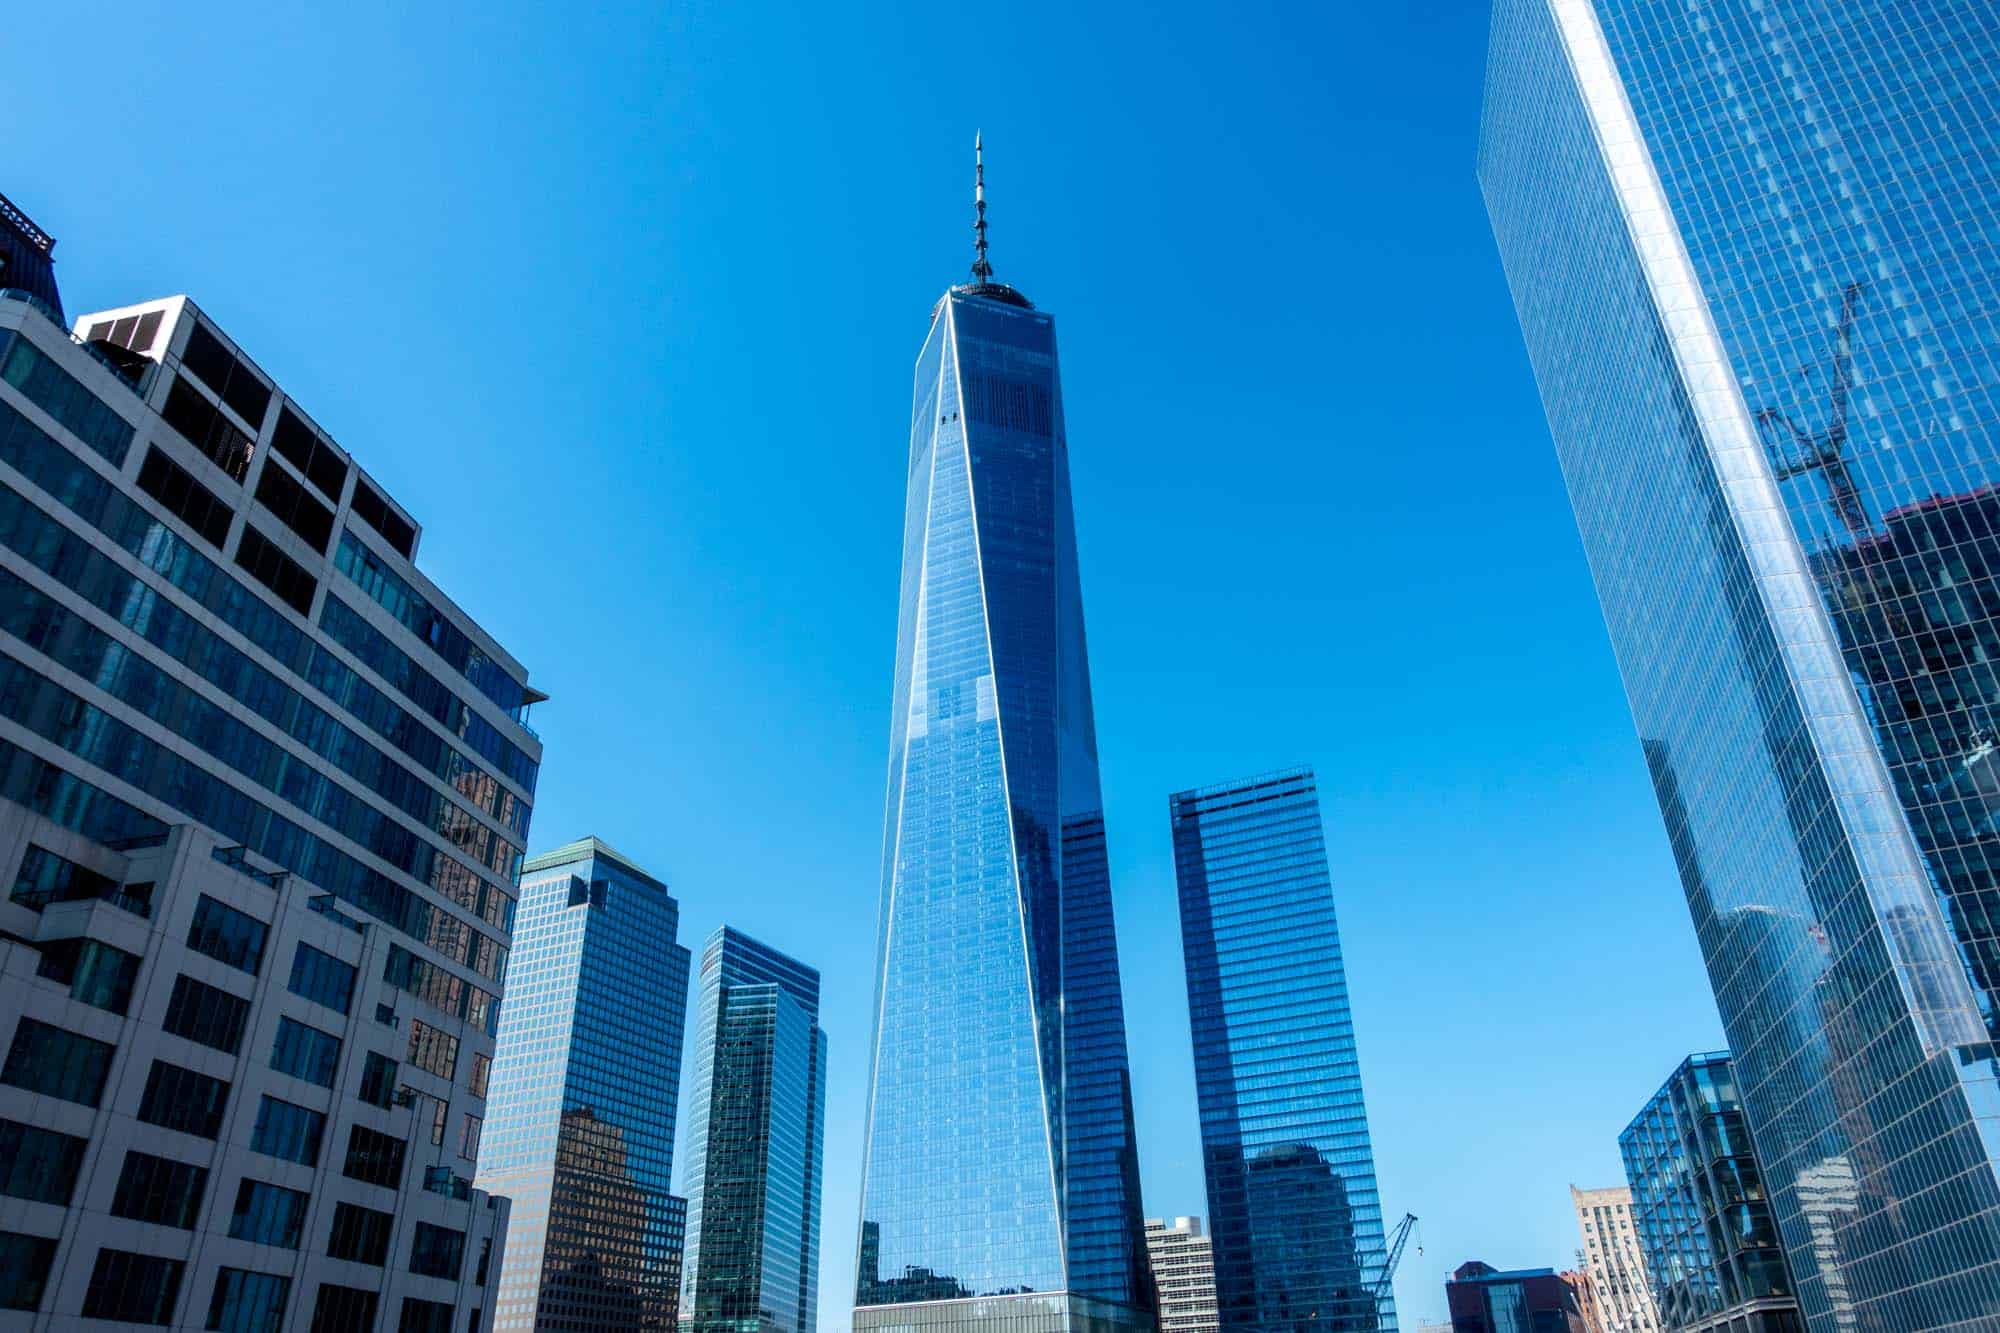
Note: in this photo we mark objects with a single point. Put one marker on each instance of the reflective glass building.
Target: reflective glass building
(586, 1082)
(1700, 1210)
(755, 1143)
(1752, 246)
(1292, 1206)
(1000, 1183)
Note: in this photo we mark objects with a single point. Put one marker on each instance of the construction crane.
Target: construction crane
(1826, 452)
(1397, 1238)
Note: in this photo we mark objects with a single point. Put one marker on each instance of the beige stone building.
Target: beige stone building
(1612, 1259)
(1184, 1268)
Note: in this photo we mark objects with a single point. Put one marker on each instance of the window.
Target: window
(24, 1269)
(482, 1070)
(468, 1140)
(294, 506)
(54, 390)
(372, 509)
(202, 1013)
(181, 494)
(227, 935)
(133, 1288)
(38, 1164)
(220, 369)
(322, 978)
(47, 878)
(57, 1063)
(374, 1158)
(268, 1215)
(287, 1131)
(433, 1051)
(248, 1302)
(158, 1190)
(276, 570)
(298, 445)
(177, 1098)
(360, 1234)
(95, 973)
(305, 1052)
(424, 1317)
(485, 1260)
(343, 1310)
(133, 331)
(437, 1252)
(378, 1080)
(204, 426)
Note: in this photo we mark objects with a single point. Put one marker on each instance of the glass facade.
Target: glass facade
(756, 1133)
(1703, 1218)
(1751, 244)
(999, 1158)
(1293, 1212)
(579, 1128)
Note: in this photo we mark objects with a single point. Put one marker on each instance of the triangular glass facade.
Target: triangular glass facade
(1000, 1154)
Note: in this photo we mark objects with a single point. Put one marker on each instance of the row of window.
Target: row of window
(57, 392)
(204, 426)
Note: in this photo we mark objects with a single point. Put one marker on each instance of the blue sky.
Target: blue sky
(622, 304)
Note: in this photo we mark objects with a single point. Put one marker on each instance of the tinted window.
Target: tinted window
(287, 1131)
(200, 1012)
(95, 973)
(204, 426)
(268, 1215)
(322, 978)
(177, 1098)
(305, 1052)
(360, 1234)
(247, 1302)
(300, 446)
(181, 495)
(227, 935)
(57, 1063)
(234, 383)
(276, 570)
(135, 1288)
(38, 1164)
(24, 1269)
(294, 506)
(159, 1190)
(375, 1158)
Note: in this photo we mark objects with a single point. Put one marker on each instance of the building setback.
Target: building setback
(1700, 1210)
(1613, 1261)
(263, 790)
(1184, 1268)
(756, 1143)
(1751, 243)
(1293, 1210)
(999, 1164)
(585, 1089)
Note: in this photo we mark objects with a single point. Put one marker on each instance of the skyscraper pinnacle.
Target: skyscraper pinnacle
(981, 270)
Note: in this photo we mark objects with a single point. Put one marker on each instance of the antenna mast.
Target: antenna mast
(981, 270)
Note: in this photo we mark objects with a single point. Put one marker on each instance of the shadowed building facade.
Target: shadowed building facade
(1293, 1210)
(1755, 250)
(755, 1143)
(999, 1176)
(580, 1132)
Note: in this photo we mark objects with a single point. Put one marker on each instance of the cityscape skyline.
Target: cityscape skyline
(1589, 819)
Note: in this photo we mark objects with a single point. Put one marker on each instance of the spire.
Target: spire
(981, 270)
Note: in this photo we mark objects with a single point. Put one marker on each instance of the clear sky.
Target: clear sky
(622, 302)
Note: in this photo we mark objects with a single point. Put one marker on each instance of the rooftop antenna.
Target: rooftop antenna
(981, 270)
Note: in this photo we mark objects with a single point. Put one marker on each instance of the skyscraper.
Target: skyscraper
(263, 790)
(756, 1135)
(1184, 1270)
(1700, 1211)
(999, 1166)
(1292, 1205)
(1751, 244)
(585, 1088)
(1613, 1261)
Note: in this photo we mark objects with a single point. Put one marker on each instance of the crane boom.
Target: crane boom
(1397, 1239)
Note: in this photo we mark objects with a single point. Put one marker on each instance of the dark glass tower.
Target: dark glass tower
(756, 1129)
(999, 1180)
(1700, 1209)
(1293, 1211)
(1755, 250)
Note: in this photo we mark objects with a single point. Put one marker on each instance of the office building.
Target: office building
(1700, 1209)
(1292, 1204)
(1587, 1304)
(1184, 1271)
(755, 1144)
(263, 790)
(586, 1084)
(999, 1176)
(1613, 1260)
(1482, 1299)
(1747, 243)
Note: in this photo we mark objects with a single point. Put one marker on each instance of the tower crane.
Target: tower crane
(1397, 1239)
(1826, 452)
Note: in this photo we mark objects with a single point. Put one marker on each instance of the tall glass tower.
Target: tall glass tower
(999, 1179)
(580, 1128)
(1755, 250)
(1292, 1205)
(755, 1144)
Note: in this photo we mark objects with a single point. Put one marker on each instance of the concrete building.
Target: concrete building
(263, 790)
(1613, 1260)
(1483, 1299)
(586, 1085)
(1184, 1271)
